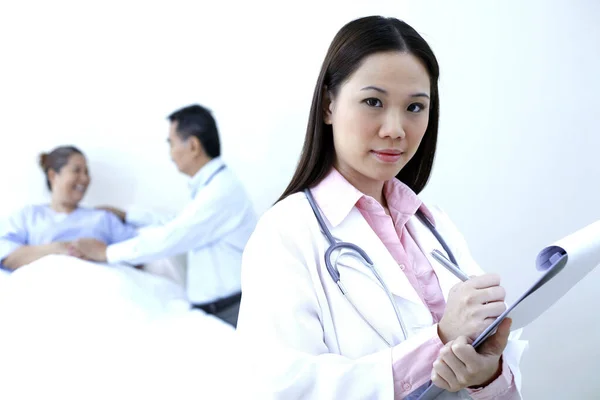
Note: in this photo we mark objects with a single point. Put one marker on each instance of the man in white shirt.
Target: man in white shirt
(213, 228)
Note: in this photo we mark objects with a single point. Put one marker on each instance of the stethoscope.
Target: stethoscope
(210, 178)
(355, 251)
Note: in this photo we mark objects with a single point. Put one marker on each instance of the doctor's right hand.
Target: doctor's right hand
(471, 307)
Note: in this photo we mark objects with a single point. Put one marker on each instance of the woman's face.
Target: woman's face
(379, 117)
(71, 182)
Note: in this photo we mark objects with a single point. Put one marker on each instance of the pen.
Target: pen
(450, 266)
(432, 391)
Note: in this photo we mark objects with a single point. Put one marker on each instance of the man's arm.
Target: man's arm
(138, 217)
(203, 221)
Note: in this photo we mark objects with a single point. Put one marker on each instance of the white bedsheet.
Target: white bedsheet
(3, 277)
(71, 329)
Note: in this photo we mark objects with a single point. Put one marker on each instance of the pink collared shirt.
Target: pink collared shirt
(411, 369)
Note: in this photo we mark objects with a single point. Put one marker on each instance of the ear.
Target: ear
(327, 106)
(51, 175)
(195, 146)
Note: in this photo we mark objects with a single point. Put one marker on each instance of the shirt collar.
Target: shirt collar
(205, 174)
(336, 197)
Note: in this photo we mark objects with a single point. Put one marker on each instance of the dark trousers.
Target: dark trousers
(226, 309)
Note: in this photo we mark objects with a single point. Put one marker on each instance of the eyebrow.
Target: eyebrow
(380, 90)
(377, 89)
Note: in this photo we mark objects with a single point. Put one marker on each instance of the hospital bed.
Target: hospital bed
(4, 274)
(172, 268)
(72, 329)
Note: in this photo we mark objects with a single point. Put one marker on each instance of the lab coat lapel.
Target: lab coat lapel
(355, 229)
(427, 242)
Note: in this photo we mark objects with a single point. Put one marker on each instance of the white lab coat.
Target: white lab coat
(212, 229)
(300, 338)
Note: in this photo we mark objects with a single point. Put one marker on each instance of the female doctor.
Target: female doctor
(383, 332)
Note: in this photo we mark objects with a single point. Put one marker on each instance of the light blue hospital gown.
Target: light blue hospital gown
(39, 224)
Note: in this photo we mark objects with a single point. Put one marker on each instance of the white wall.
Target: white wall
(516, 167)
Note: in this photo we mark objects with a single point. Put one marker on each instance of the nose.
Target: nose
(392, 126)
(84, 178)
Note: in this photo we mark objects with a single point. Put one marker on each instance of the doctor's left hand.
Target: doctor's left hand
(91, 249)
(460, 366)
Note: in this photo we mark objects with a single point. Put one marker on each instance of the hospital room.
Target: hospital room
(153, 152)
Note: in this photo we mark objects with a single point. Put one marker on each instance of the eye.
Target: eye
(373, 102)
(416, 107)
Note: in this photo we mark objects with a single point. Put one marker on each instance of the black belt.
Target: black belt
(219, 305)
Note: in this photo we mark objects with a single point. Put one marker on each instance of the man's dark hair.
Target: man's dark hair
(198, 121)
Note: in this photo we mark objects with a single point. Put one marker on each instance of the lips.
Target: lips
(388, 155)
(80, 188)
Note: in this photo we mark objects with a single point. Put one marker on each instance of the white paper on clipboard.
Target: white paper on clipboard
(562, 265)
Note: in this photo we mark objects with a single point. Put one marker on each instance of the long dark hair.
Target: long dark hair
(352, 44)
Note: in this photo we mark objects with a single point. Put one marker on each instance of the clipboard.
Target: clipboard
(562, 265)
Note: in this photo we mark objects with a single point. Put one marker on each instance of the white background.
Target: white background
(517, 163)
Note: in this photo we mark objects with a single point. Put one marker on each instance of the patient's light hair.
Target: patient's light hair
(56, 160)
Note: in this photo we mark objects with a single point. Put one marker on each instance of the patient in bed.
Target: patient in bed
(39, 230)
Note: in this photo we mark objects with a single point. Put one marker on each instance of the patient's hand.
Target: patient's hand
(67, 248)
(91, 249)
(118, 212)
